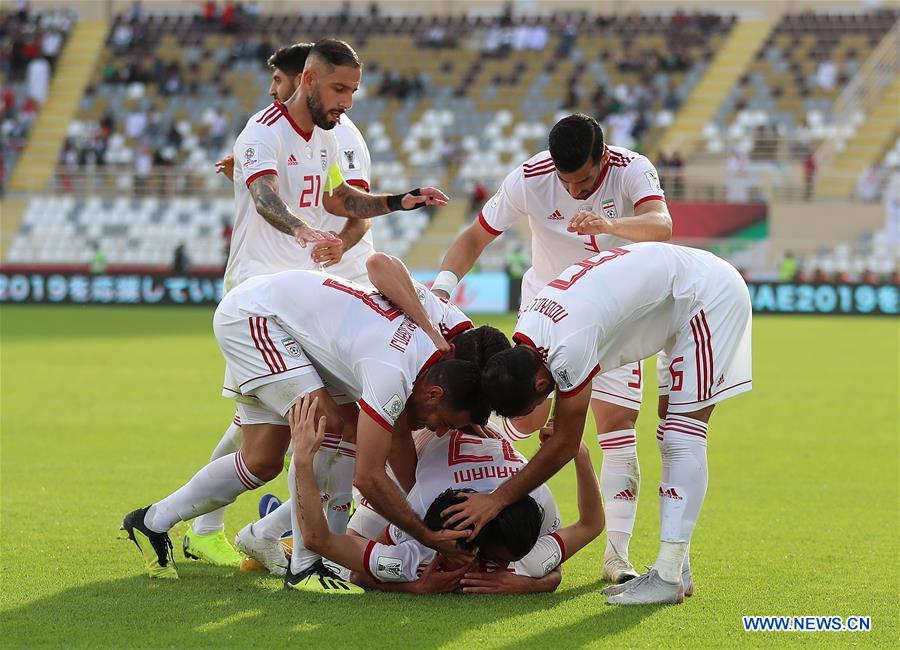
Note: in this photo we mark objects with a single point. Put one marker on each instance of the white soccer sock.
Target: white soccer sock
(620, 482)
(341, 488)
(681, 490)
(231, 441)
(275, 524)
(324, 462)
(216, 485)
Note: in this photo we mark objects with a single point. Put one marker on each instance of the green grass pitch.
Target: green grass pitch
(105, 410)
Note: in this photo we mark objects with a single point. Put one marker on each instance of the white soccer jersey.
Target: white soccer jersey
(460, 460)
(356, 168)
(534, 191)
(363, 347)
(627, 303)
(273, 143)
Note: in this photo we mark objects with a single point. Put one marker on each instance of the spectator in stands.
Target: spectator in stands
(229, 17)
(516, 265)
(869, 183)
(787, 271)
(135, 124)
(121, 38)
(135, 11)
(826, 74)
(209, 11)
(98, 259)
(476, 199)
(809, 176)
(37, 80)
(143, 166)
(737, 186)
(181, 263)
(51, 44)
(567, 41)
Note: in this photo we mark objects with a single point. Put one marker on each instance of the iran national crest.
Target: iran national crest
(609, 209)
(292, 347)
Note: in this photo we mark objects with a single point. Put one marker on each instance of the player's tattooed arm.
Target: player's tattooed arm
(349, 202)
(275, 211)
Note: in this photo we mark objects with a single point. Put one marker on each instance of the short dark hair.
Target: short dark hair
(290, 59)
(461, 381)
(508, 379)
(516, 527)
(573, 140)
(335, 53)
(480, 344)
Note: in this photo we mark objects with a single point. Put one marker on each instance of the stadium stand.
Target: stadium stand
(30, 44)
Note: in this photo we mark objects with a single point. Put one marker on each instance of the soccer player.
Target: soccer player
(611, 309)
(261, 540)
(520, 551)
(297, 332)
(205, 539)
(579, 175)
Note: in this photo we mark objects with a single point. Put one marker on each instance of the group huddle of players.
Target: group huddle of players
(376, 383)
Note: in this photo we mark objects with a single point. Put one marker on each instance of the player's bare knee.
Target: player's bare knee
(612, 417)
(264, 468)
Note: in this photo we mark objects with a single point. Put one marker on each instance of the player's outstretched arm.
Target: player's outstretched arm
(591, 517)
(276, 212)
(504, 582)
(478, 509)
(307, 436)
(434, 580)
(373, 444)
(349, 202)
(461, 257)
(392, 279)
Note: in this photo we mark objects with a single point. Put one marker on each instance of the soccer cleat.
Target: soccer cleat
(319, 579)
(268, 552)
(617, 570)
(155, 548)
(686, 581)
(648, 589)
(212, 548)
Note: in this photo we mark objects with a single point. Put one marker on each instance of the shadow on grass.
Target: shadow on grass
(211, 607)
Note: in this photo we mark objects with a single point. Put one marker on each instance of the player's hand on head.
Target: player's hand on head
(472, 513)
(440, 342)
(445, 543)
(306, 433)
(226, 167)
(328, 253)
(586, 222)
(305, 234)
(437, 579)
(425, 196)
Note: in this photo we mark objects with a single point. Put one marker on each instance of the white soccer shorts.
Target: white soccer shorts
(710, 359)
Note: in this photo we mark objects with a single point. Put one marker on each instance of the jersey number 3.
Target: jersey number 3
(562, 283)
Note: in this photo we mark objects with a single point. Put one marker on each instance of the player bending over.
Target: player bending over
(615, 308)
(524, 546)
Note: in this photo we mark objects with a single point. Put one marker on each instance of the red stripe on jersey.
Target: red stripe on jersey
(375, 415)
(387, 536)
(654, 197)
(303, 134)
(263, 346)
(433, 359)
(458, 329)
(367, 557)
(539, 167)
(269, 112)
(562, 546)
(539, 163)
(259, 346)
(264, 172)
(487, 226)
(540, 172)
(587, 380)
(360, 183)
(278, 358)
(522, 338)
(712, 373)
(274, 119)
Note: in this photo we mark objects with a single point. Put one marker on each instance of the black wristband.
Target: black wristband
(395, 201)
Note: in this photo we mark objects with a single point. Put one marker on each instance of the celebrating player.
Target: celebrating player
(579, 177)
(289, 173)
(298, 332)
(525, 537)
(611, 309)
